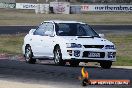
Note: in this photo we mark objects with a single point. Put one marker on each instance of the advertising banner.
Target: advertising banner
(7, 5)
(8, 1)
(60, 7)
(25, 6)
(125, 8)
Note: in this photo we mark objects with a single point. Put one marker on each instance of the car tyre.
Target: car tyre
(58, 57)
(29, 55)
(106, 64)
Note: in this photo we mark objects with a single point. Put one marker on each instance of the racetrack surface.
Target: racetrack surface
(98, 28)
(57, 76)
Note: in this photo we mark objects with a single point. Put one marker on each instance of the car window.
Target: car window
(81, 31)
(65, 29)
(49, 28)
(40, 30)
(74, 29)
(88, 30)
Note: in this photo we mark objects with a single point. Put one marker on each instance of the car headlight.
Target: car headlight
(110, 47)
(73, 45)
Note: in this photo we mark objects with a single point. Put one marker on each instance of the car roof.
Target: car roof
(62, 21)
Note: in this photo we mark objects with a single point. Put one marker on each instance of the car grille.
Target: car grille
(86, 53)
(93, 46)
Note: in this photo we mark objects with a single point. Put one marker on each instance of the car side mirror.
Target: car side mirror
(49, 33)
(102, 35)
(31, 31)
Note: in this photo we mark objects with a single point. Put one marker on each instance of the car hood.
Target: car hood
(85, 40)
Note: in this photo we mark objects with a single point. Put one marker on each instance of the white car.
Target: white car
(68, 41)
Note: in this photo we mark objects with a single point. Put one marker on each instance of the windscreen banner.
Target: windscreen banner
(125, 8)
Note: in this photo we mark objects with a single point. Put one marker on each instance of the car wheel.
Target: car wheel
(106, 64)
(29, 55)
(58, 57)
(74, 63)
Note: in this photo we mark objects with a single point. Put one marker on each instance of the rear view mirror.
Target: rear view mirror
(31, 31)
(102, 35)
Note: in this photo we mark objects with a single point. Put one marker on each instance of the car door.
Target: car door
(47, 41)
(36, 40)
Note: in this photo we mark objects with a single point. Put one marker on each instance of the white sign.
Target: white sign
(25, 6)
(106, 8)
(60, 7)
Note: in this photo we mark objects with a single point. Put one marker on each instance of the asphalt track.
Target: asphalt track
(58, 76)
(98, 28)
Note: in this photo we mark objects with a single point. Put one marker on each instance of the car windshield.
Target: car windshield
(75, 29)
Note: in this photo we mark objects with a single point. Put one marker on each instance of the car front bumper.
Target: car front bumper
(83, 54)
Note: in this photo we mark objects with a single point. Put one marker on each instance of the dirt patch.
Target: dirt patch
(3, 55)
(11, 57)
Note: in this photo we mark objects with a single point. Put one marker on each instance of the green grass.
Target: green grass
(12, 44)
(123, 61)
(26, 17)
(123, 43)
(124, 48)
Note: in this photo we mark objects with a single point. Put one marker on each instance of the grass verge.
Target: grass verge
(124, 48)
(26, 17)
(11, 44)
